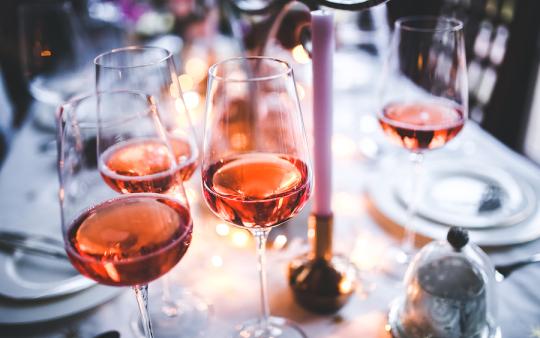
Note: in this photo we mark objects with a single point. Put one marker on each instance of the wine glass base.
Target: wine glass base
(277, 328)
(187, 316)
(396, 262)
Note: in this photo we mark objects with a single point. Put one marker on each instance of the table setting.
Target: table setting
(271, 196)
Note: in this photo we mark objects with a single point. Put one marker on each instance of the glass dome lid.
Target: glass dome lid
(449, 292)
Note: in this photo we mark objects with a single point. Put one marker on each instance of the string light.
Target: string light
(280, 241)
(368, 252)
(217, 261)
(222, 229)
(186, 82)
(240, 238)
(343, 146)
(192, 99)
(345, 286)
(197, 69)
(300, 55)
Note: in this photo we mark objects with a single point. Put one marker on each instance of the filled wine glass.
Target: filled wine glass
(114, 239)
(256, 168)
(151, 70)
(424, 96)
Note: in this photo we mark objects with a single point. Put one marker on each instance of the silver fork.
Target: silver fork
(504, 270)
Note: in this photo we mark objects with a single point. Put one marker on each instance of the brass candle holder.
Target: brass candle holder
(321, 281)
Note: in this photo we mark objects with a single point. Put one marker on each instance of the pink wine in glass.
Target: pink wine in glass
(421, 126)
(145, 165)
(130, 240)
(257, 189)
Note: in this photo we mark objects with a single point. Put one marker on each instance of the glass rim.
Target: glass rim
(286, 71)
(78, 99)
(98, 62)
(409, 23)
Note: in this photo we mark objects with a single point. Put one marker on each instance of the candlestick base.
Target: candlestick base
(321, 281)
(321, 285)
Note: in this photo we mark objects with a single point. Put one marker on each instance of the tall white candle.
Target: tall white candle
(322, 32)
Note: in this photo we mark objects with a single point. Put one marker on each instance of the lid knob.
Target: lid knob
(457, 237)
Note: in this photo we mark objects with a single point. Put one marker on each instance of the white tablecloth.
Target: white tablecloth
(222, 269)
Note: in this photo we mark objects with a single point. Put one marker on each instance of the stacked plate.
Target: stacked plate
(497, 206)
(36, 288)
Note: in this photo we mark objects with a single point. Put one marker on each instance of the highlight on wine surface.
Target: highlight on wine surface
(145, 165)
(256, 169)
(129, 240)
(257, 189)
(419, 126)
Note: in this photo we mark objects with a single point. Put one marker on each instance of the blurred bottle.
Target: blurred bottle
(56, 55)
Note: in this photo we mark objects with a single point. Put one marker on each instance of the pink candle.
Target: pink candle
(322, 32)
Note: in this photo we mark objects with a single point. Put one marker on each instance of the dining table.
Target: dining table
(220, 265)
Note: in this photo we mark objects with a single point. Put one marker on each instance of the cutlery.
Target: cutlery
(504, 270)
(108, 334)
(15, 242)
(11, 241)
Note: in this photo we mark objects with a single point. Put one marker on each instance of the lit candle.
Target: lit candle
(322, 32)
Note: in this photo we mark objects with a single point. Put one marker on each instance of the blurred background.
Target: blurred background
(46, 48)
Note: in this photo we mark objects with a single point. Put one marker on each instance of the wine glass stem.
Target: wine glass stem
(141, 292)
(415, 194)
(261, 235)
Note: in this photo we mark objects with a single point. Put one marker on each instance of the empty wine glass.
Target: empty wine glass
(151, 70)
(424, 96)
(126, 240)
(256, 168)
(56, 55)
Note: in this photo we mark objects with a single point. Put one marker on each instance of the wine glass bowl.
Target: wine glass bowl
(136, 155)
(256, 170)
(153, 232)
(257, 190)
(423, 96)
(151, 70)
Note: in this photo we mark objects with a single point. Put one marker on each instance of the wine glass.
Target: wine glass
(56, 55)
(256, 168)
(151, 70)
(126, 240)
(424, 96)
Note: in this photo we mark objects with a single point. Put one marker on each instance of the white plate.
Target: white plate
(391, 214)
(32, 277)
(18, 313)
(471, 195)
(22, 277)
